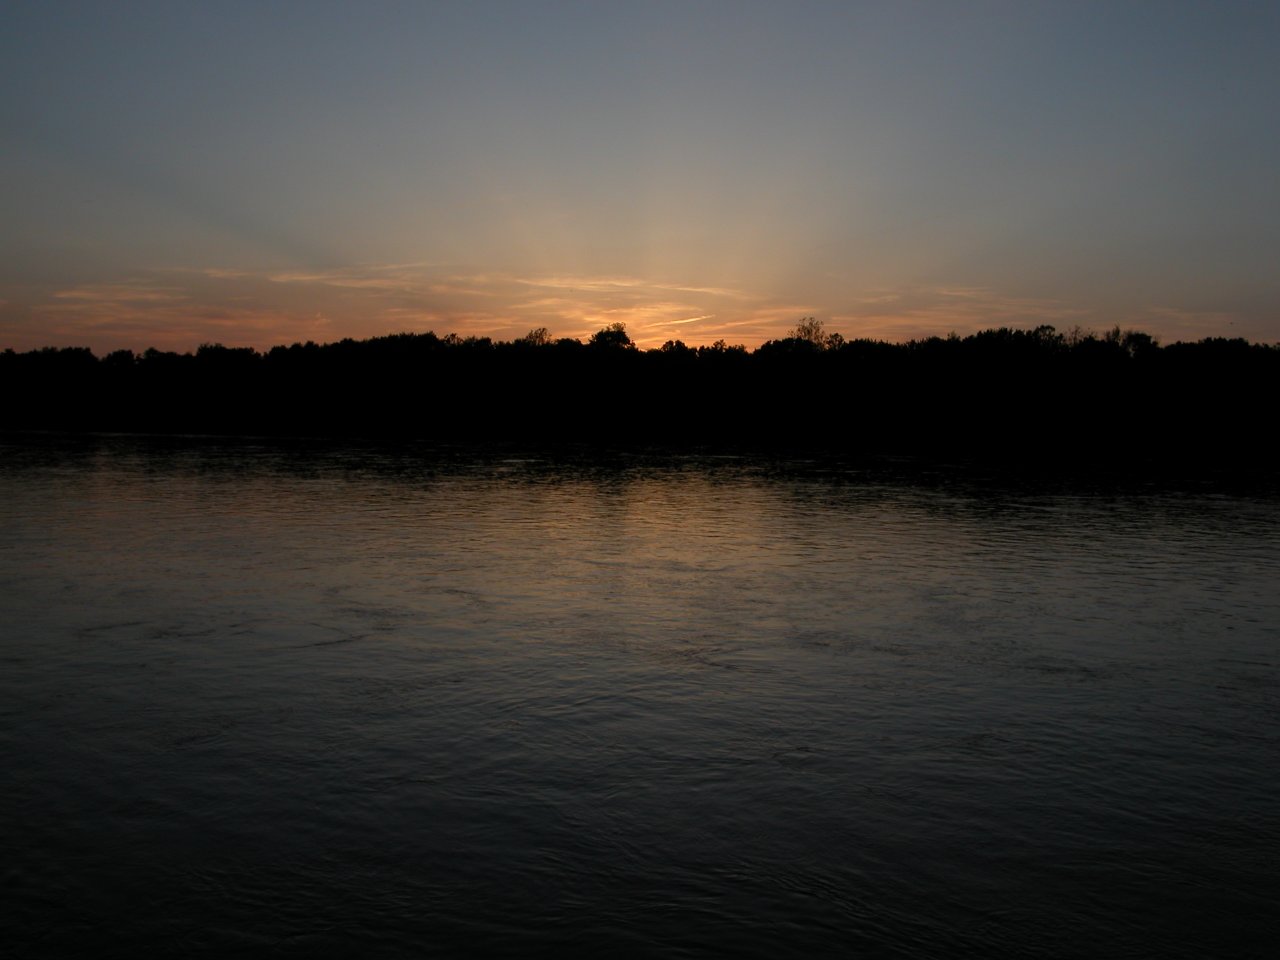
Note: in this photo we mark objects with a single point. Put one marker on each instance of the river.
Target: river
(299, 700)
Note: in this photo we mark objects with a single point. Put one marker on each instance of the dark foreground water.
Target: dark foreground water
(332, 701)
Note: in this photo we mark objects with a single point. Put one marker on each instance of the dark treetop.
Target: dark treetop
(1006, 394)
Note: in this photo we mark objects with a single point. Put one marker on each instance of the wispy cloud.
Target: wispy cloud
(917, 312)
(613, 283)
(580, 283)
(705, 316)
(179, 309)
(1181, 324)
(120, 292)
(219, 273)
(369, 278)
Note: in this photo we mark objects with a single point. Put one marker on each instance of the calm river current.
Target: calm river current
(340, 701)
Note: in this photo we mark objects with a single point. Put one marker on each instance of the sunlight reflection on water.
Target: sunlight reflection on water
(335, 699)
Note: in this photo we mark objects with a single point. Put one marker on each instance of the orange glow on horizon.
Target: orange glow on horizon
(179, 310)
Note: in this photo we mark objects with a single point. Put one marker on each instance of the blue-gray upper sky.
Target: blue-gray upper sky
(261, 173)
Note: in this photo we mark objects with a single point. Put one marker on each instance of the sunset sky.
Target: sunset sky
(260, 173)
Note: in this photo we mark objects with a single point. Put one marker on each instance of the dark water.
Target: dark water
(342, 702)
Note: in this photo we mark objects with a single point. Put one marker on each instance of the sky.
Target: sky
(265, 173)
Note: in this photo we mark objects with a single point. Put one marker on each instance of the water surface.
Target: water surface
(334, 699)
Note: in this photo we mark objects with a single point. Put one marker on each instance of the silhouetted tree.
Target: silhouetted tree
(809, 330)
(538, 337)
(1002, 392)
(810, 333)
(1138, 344)
(612, 337)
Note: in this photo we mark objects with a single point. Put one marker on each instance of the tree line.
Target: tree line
(1005, 393)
